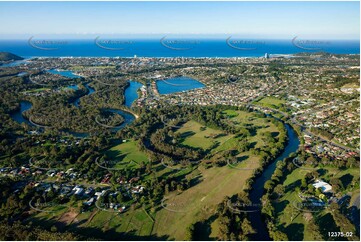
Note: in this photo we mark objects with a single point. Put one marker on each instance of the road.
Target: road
(306, 130)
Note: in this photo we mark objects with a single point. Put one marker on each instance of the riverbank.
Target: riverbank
(257, 190)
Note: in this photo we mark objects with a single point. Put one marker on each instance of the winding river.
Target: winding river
(18, 115)
(130, 93)
(24, 106)
(77, 101)
(258, 186)
(128, 118)
(130, 96)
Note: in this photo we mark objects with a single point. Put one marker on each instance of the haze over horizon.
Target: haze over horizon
(272, 20)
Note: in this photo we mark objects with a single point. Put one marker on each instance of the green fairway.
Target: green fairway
(100, 219)
(131, 221)
(196, 135)
(197, 203)
(136, 220)
(127, 153)
(247, 119)
(200, 201)
(234, 113)
(180, 209)
(271, 102)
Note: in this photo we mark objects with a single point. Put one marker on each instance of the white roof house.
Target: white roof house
(78, 190)
(325, 187)
(90, 201)
(98, 194)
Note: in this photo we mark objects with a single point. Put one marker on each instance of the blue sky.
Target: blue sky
(338, 20)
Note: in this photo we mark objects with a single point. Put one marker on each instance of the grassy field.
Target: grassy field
(298, 228)
(194, 136)
(51, 212)
(198, 203)
(55, 215)
(329, 172)
(249, 119)
(271, 102)
(135, 222)
(351, 85)
(127, 154)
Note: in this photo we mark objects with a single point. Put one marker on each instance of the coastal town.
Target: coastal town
(180, 120)
(316, 94)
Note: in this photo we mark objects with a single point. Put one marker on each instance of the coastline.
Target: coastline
(275, 55)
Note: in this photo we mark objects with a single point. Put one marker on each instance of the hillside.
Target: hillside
(6, 56)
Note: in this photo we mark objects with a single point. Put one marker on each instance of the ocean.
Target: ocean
(173, 48)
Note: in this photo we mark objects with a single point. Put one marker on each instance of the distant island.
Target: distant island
(6, 56)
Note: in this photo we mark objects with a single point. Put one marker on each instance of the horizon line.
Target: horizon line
(204, 37)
